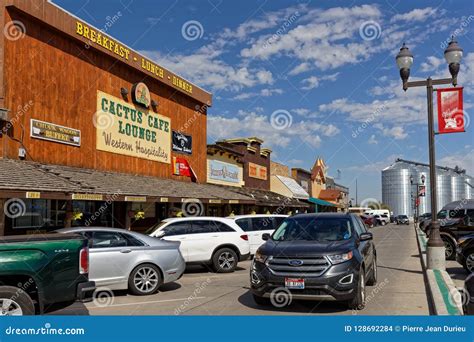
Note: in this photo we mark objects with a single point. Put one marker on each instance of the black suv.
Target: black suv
(316, 257)
(402, 219)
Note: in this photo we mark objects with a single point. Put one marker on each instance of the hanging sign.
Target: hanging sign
(182, 143)
(141, 94)
(421, 191)
(450, 110)
(181, 167)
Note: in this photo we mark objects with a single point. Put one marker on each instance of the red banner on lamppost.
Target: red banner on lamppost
(450, 110)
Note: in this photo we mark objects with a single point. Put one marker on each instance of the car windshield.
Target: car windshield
(319, 229)
(403, 216)
(155, 227)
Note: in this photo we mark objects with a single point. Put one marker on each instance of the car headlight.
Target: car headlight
(260, 257)
(339, 258)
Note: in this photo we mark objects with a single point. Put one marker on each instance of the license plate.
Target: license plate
(294, 283)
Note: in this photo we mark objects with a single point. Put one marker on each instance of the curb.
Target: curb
(443, 295)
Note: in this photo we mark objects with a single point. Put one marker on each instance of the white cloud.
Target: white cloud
(314, 81)
(254, 124)
(375, 166)
(432, 63)
(396, 132)
(464, 160)
(372, 140)
(263, 93)
(418, 14)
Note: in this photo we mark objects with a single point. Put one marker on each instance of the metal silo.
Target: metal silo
(458, 187)
(468, 184)
(443, 187)
(396, 187)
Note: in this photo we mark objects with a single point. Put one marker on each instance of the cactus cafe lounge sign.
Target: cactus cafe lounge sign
(130, 130)
(450, 110)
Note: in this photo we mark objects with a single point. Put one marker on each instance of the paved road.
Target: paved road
(400, 290)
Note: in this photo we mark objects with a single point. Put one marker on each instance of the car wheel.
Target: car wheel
(449, 248)
(372, 280)
(469, 261)
(383, 223)
(15, 302)
(144, 280)
(358, 302)
(224, 260)
(261, 300)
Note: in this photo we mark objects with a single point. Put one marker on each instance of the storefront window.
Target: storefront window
(92, 213)
(41, 215)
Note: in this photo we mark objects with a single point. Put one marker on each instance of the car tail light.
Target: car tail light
(244, 237)
(84, 261)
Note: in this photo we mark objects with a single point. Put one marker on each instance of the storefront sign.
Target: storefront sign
(141, 95)
(127, 130)
(257, 171)
(98, 38)
(450, 110)
(135, 199)
(223, 171)
(182, 143)
(33, 195)
(56, 133)
(215, 201)
(233, 201)
(164, 199)
(87, 197)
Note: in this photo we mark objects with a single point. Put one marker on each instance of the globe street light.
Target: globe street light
(453, 55)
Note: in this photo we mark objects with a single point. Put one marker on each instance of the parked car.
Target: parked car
(327, 256)
(450, 213)
(402, 219)
(465, 252)
(368, 220)
(422, 218)
(256, 225)
(378, 212)
(468, 305)
(381, 220)
(215, 241)
(451, 230)
(38, 272)
(125, 260)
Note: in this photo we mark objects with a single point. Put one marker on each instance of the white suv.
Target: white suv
(217, 241)
(257, 225)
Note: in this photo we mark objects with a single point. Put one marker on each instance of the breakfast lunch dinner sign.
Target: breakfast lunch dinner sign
(450, 110)
(131, 130)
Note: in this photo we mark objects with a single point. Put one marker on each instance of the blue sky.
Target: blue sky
(311, 78)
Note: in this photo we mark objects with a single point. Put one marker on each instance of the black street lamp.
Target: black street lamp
(453, 55)
(417, 196)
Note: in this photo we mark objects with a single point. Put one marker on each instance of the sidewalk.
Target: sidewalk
(401, 279)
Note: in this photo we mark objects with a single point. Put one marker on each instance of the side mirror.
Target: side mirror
(265, 236)
(366, 237)
(160, 234)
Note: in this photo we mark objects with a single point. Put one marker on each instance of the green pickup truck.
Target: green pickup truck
(41, 272)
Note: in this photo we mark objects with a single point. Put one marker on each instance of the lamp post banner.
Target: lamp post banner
(450, 110)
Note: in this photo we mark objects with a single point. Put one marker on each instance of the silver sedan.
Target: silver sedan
(124, 260)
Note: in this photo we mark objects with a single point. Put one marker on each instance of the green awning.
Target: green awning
(321, 202)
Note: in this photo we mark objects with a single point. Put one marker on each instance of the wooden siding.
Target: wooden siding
(57, 78)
